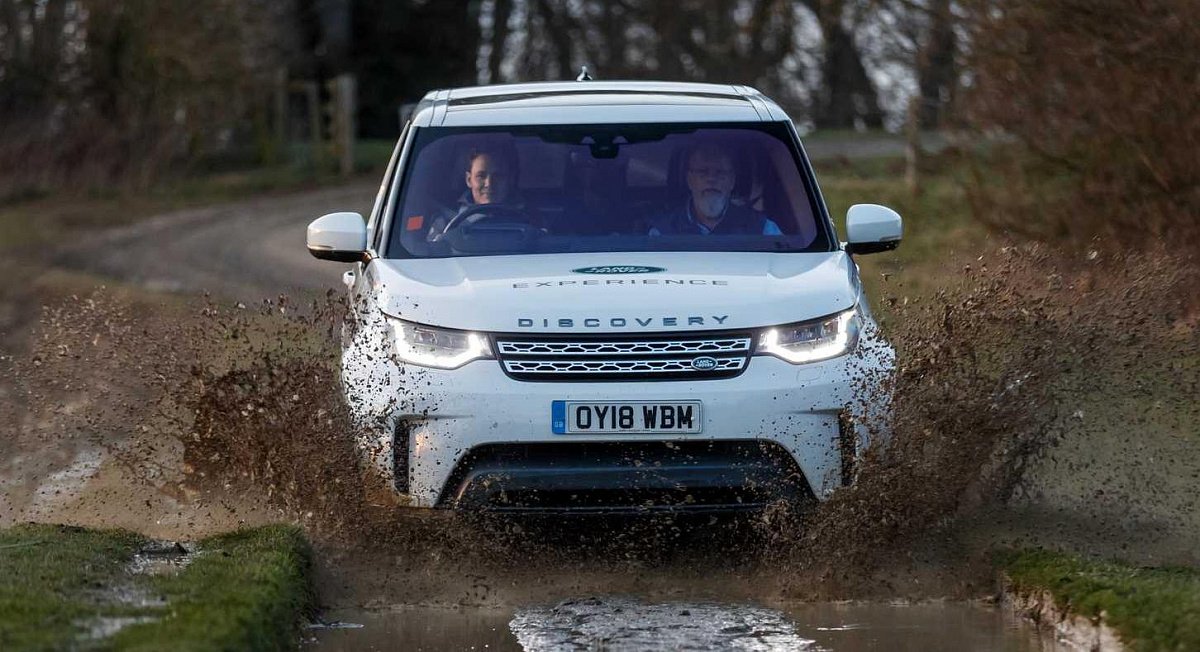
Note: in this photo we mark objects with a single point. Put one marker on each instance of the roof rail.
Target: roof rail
(584, 75)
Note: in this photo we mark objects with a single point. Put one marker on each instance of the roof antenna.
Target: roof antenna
(584, 75)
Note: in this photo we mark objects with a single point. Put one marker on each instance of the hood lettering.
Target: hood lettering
(619, 322)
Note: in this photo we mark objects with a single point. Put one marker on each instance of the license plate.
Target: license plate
(626, 417)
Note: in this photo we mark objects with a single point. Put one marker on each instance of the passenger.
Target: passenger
(490, 178)
(709, 209)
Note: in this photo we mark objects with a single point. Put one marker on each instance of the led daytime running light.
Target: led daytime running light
(822, 345)
(440, 348)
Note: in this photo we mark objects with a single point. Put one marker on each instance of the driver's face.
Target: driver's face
(489, 180)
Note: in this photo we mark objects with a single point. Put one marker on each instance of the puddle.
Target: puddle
(415, 629)
(337, 624)
(104, 627)
(154, 558)
(624, 624)
(161, 558)
(621, 623)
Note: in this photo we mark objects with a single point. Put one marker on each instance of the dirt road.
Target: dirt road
(247, 250)
(51, 469)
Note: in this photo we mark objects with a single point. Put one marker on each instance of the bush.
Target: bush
(1100, 98)
(115, 91)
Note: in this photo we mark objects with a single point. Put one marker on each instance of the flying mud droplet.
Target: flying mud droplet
(986, 413)
(1026, 386)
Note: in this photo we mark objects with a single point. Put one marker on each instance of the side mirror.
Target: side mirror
(338, 236)
(871, 228)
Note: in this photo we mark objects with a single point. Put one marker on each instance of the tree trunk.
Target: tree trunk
(557, 24)
(936, 70)
(669, 32)
(500, 14)
(847, 97)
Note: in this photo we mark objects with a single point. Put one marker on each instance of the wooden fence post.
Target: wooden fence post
(280, 109)
(313, 99)
(912, 146)
(343, 97)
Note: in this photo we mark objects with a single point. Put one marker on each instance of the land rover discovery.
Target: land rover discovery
(607, 296)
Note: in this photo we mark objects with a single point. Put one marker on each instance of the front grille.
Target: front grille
(615, 357)
(641, 366)
(730, 345)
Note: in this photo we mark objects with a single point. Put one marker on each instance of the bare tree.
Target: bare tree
(1102, 102)
(937, 68)
(33, 59)
(402, 48)
(713, 40)
(733, 41)
(501, 12)
(846, 97)
(924, 38)
(103, 91)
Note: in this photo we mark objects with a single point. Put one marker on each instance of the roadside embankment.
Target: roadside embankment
(67, 587)
(1105, 605)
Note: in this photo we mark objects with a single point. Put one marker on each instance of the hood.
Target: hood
(610, 293)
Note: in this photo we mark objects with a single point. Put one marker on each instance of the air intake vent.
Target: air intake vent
(400, 446)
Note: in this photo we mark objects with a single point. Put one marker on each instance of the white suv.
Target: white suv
(594, 296)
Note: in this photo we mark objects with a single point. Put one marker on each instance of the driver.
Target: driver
(490, 178)
(709, 208)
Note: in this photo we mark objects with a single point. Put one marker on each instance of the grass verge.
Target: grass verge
(1150, 608)
(51, 579)
(247, 590)
(938, 227)
(244, 591)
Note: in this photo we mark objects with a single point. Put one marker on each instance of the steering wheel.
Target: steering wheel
(488, 213)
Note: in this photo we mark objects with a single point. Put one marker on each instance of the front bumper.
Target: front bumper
(444, 415)
(625, 476)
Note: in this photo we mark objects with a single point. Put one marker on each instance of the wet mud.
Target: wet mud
(624, 623)
(1040, 399)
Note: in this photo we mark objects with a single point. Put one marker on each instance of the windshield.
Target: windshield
(605, 188)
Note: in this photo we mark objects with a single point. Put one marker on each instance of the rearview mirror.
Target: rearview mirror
(871, 228)
(338, 236)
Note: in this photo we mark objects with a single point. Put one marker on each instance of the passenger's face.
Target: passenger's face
(710, 177)
(489, 180)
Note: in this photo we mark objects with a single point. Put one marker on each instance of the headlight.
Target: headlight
(441, 348)
(812, 341)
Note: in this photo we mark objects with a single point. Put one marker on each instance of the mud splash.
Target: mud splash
(113, 401)
(995, 377)
(188, 417)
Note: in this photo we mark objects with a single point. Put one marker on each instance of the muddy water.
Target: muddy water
(620, 623)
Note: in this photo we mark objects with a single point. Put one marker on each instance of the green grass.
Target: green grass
(843, 135)
(938, 227)
(1150, 608)
(936, 219)
(246, 590)
(50, 578)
